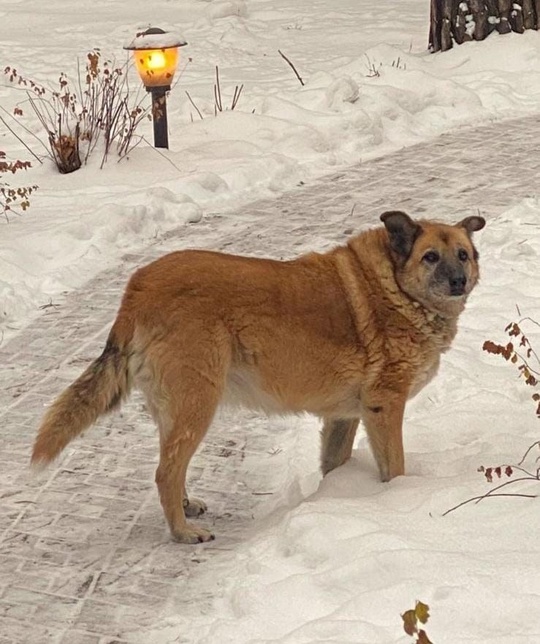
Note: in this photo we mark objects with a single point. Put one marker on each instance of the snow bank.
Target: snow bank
(357, 103)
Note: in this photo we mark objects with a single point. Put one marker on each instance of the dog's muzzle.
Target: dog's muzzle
(457, 285)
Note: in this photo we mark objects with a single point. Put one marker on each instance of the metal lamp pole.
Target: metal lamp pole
(159, 115)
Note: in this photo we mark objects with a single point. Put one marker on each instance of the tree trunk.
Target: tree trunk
(461, 20)
(516, 16)
(505, 7)
(435, 28)
(446, 25)
(493, 14)
(479, 11)
(529, 19)
(460, 30)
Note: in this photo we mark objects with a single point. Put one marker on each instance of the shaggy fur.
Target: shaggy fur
(347, 335)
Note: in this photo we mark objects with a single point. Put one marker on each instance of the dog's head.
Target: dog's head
(435, 264)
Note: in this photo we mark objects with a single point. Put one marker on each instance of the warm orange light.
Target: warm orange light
(156, 60)
(156, 67)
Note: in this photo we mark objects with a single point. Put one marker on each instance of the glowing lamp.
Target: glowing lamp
(155, 53)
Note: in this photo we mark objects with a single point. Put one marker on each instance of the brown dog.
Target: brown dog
(346, 335)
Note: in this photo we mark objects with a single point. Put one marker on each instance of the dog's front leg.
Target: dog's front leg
(383, 418)
(337, 438)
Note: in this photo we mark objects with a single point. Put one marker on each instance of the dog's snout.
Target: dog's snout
(457, 284)
(451, 277)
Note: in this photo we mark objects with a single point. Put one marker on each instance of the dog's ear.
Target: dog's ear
(472, 224)
(402, 231)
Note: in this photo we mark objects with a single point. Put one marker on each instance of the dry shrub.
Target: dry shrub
(218, 99)
(519, 352)
(13, 199)
(523, 356)
(99, 108)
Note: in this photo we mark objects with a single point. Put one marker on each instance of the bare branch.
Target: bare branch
(485, 496)
(19, 139)
(291, 65)
(193, 103)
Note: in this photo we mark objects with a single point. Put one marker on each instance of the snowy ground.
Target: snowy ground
(280, 134)
(331, 562)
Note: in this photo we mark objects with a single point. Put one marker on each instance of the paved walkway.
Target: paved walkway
(85, 557)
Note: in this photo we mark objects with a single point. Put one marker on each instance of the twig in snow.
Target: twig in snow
(19, 138)
(193, 103)
(160, 153)
(507, 470)
(477, 499)
(292, 66)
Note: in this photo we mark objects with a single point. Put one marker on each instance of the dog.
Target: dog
(346, 335)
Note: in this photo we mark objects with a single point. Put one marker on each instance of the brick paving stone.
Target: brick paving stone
(79, 637)
(85, 556)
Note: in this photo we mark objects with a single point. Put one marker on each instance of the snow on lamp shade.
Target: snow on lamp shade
(155, 53)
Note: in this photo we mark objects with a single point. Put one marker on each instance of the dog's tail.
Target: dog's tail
(101, 388)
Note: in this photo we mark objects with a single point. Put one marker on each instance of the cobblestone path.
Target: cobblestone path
(85, 556)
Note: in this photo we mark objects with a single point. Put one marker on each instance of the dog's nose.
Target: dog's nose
(457, 285)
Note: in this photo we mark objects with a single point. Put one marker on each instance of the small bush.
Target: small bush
(218, 100)
(519, 352)
(98, 108)
(524, 356)
(11, 199)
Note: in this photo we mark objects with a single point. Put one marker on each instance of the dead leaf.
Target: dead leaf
(422, 612)
(423, 638)
(409, 622)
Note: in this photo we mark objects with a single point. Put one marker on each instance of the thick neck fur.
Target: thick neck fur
(377, 271)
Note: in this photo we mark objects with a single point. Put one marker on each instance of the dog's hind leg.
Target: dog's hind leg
(337, 438)
(191, 407)
(185, 402)
(157, 404)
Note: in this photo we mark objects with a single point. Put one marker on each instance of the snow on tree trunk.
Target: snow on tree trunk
(461, 20)
(516, 17)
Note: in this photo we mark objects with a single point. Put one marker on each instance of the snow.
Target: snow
(470, 25)
(280, 134)
(145, 40)
(337, 560)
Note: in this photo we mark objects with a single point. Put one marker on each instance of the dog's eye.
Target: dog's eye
(431, 257)
(463, 255)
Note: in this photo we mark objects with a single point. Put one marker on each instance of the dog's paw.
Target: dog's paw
(190, 533)
(194, 507)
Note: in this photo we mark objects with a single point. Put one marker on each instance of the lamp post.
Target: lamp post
(155, 53)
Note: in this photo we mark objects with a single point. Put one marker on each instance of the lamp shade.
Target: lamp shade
(155, 53)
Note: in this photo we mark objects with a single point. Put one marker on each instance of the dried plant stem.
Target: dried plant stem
(292, 66)
(477, 499)
(494, 492)
(218, 98)
(158, 151)
(528, 319)
(193, 103)
(19, 138)
(536, 444)
(236, 96)
(217, 94)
